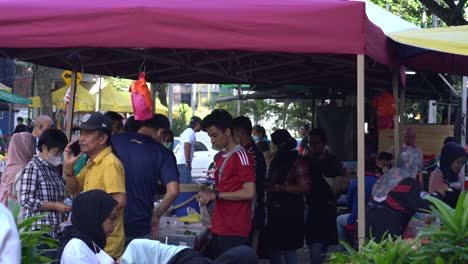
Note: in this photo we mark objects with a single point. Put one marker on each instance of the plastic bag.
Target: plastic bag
(141, 99)
(205, 216)
(385, 105)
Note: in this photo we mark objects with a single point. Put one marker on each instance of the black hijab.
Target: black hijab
(89, 211)
(450, 152)
(284, 158)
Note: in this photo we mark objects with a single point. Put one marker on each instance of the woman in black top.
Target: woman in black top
(396, 196)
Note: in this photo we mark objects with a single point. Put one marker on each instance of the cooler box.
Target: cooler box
(187, 198)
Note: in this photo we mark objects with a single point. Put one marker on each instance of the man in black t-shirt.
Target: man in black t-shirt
(242, 127)
(20, 127)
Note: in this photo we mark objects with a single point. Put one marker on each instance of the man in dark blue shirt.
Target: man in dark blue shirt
(146, 162)
(242, 128)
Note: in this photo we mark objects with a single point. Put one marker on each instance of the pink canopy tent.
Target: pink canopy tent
(294, 26)
(205, 41)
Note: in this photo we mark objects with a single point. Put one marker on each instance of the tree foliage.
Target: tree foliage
(119, 83)
(287, 115)
(451, 12)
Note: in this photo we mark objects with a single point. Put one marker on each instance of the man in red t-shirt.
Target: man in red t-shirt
(235, 187)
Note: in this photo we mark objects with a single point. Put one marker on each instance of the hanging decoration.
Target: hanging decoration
(141, 99)
(385, 105)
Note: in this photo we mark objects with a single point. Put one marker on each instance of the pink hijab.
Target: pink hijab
(20, 151)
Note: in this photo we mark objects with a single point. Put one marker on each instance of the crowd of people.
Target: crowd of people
(272, 196)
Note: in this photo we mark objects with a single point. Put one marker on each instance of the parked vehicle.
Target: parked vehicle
(203, 158)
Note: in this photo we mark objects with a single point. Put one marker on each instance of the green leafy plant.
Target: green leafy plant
(30, 239)
(387, 251)
(449, 243)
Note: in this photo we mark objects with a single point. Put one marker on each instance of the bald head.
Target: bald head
(41, 123)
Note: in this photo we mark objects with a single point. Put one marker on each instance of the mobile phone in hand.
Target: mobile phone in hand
(75, 148)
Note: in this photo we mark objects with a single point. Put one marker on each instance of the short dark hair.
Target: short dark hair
(113, 116)
(194, 121)
(306, 126)
(244, 123)
(132, 125)
(29, 120)
(320, 133)
(219, 118)
(157, 121)
(169, 136)
(449, 139)
(384, 156)
(259, 129)
(52, 138)
(19, 118)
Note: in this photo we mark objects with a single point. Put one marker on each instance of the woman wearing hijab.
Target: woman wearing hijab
(93, 216)
(411, 151)
(287, 181)
(396, 196)
(21, 150)
(452, 159)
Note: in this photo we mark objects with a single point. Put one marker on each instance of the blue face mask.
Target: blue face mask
(255, 138)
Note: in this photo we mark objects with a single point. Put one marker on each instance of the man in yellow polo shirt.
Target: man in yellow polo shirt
(104, 171)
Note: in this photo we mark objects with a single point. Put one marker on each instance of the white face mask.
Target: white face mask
(54, 160)
(103, 257)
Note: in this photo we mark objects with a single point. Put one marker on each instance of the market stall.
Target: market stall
(255, 42)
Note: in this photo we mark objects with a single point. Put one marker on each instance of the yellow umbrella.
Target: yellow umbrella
(452, 40)
(84, 101)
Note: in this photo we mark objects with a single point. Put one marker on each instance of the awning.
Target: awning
(452, 40)
(438, 50)
(13, 98)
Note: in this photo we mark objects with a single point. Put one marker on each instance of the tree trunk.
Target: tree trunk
(452, 14)
(43, 83)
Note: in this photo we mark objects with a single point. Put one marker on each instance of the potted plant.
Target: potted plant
(30, 239)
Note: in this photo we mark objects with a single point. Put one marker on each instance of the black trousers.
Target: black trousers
(236, 255)
(220, 244)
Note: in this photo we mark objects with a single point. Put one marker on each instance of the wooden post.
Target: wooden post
(71, 103)
(401, 109)
(360, 149)
(463, 129)
(171, 102)
(396, 119)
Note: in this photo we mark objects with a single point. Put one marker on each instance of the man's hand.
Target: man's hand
(69, 159)
(63, 208)
(204, 197)
(188, 164)
(154, 227)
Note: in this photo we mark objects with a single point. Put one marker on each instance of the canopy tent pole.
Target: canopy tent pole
(98, 96)
(401, 113)
(9, 119)
(239, 89)
(170, 103)
(360, 149)
(71, 103)
(396, 119)
(463, 128)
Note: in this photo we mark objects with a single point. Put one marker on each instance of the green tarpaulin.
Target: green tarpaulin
(13, 98)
